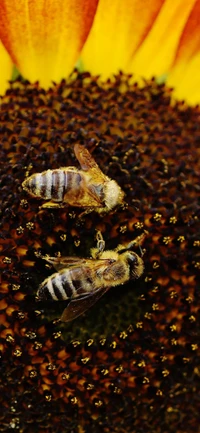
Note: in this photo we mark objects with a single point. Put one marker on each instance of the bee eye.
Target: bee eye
(132, 258)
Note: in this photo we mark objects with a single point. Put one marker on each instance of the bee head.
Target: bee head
(136, 264)
(113, 194)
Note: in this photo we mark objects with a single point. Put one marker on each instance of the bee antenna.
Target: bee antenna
(142, 251)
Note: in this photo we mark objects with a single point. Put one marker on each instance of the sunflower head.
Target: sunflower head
(131, 362)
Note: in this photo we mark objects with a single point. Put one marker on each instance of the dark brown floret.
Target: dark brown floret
(131, 363)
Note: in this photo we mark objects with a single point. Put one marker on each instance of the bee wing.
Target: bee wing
(94, 196)
(85, 158)
(78, 306)
(64, 262)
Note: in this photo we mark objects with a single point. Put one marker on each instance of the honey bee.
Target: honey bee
(84, 281)
(88, 188)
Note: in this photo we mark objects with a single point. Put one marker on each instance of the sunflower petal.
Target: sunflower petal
(157, 52)
(119, 28)
(185, 73)
(6, 69)
(186, 81)
(44, 38)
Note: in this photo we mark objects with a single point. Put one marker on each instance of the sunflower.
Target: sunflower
(131, 363)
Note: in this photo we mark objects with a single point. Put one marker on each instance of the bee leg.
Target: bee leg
(51, 204)
(96, 252)
(85, 212)
(137, 242)
(100, 242)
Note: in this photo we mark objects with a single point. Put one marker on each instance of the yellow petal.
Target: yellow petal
(6, 69)
(45, 37)
(156, 54)
(119, 28)
(185, 72)
(185, 80)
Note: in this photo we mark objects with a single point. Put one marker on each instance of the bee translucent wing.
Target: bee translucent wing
(91, 197)
(64, 262)
(85, 158)
(78, 306)
(94, 196)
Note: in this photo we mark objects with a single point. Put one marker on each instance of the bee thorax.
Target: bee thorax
(113, 194)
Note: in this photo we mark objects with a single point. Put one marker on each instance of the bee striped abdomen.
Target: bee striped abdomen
(57, 184)
(66, 284)
(63, 182)
(53, 184)
(37, 184)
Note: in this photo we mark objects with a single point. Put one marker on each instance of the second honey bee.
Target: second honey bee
(88, 188)
(84, 281)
